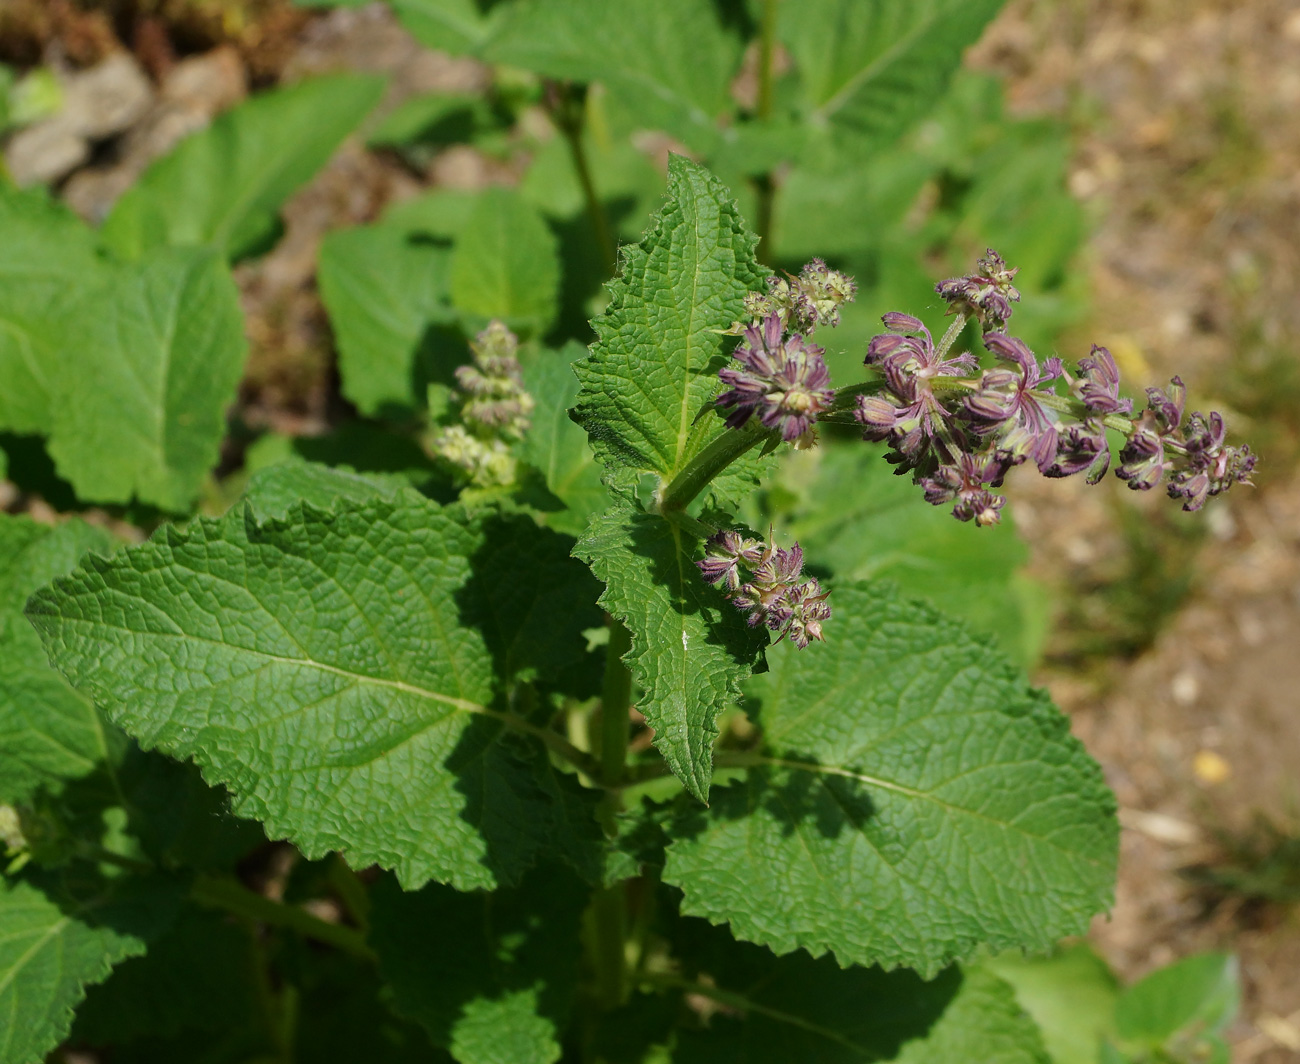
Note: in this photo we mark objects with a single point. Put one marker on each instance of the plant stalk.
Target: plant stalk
(228, 894)
(616, 698)
(764, 185)
(724, 449)
(569, 112)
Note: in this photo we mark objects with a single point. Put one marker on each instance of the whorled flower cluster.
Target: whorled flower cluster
(782, 379)
(495, 410)
(762, 580)
(960, 438)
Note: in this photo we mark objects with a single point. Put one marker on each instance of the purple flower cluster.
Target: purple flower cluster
(959, 438)
(985, 295)
(783, 380)
(493, 386)
(763, 581)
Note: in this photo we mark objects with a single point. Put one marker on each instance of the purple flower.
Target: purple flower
(1142, 460)
(772, 595)
(808, 608)
(967, 483)
(1079, 447)
(1008, 402)
(784, 381)
(1212, 467)
(909, 413)
(986, 294)
(724, 553)
(1098, 389)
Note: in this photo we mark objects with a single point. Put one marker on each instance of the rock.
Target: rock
(194, 92)
(98, 103)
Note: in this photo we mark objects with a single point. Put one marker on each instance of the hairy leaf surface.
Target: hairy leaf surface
(650, 378)
(56, 940)
(490, 976)
(224, 186)
(337, 671)
(912, 800)
(49, 733)
(146, 415)
(387, 295)
(690, 647)
(868, 70)
(276, 490)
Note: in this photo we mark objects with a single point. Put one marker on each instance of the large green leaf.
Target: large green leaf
(776, 1010)
(387, 297)
(456, 26)
(48, 732)
(153, 359)
(911, 801)
(868, 69)
(490, 976)
(340, 672)
(49, 256)
(669, 62)
(1193, 1000)
(1071, 996)
(556, 447)
(506, 263)
(651, 375)
(690, 647)
(276, 490)
(55, 941)
(983, 1023)
(224, 186)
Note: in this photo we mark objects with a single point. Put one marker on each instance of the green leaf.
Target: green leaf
(506, 263)
(434, 119)
(276, 490)
(782, 1009)
(490, 976)
(690, 647)
(50, 255)
(1071, 996)
(387, 296)
(336, 672)
(869, 70)
(141, 411)
(58, 940)
(668, 62)
(851, 514)
(556, 447)
(649, 382)
(912, 800)
(224, 186)
(982, 1023)
(1197, 996)
(456, 26)
(195, 977)
(48, 732)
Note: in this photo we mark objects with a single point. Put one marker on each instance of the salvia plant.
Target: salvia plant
(556, 709)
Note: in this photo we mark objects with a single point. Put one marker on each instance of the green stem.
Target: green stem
(557, 743)
(725, 448)
(950, 336)
(228, 894)
(614, 702)
(609, 911)
(568, 110)
(764, 185)
(351, 891)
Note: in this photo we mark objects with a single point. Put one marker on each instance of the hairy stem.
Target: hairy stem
(950, 336)
(724, 449)
(222, 893)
